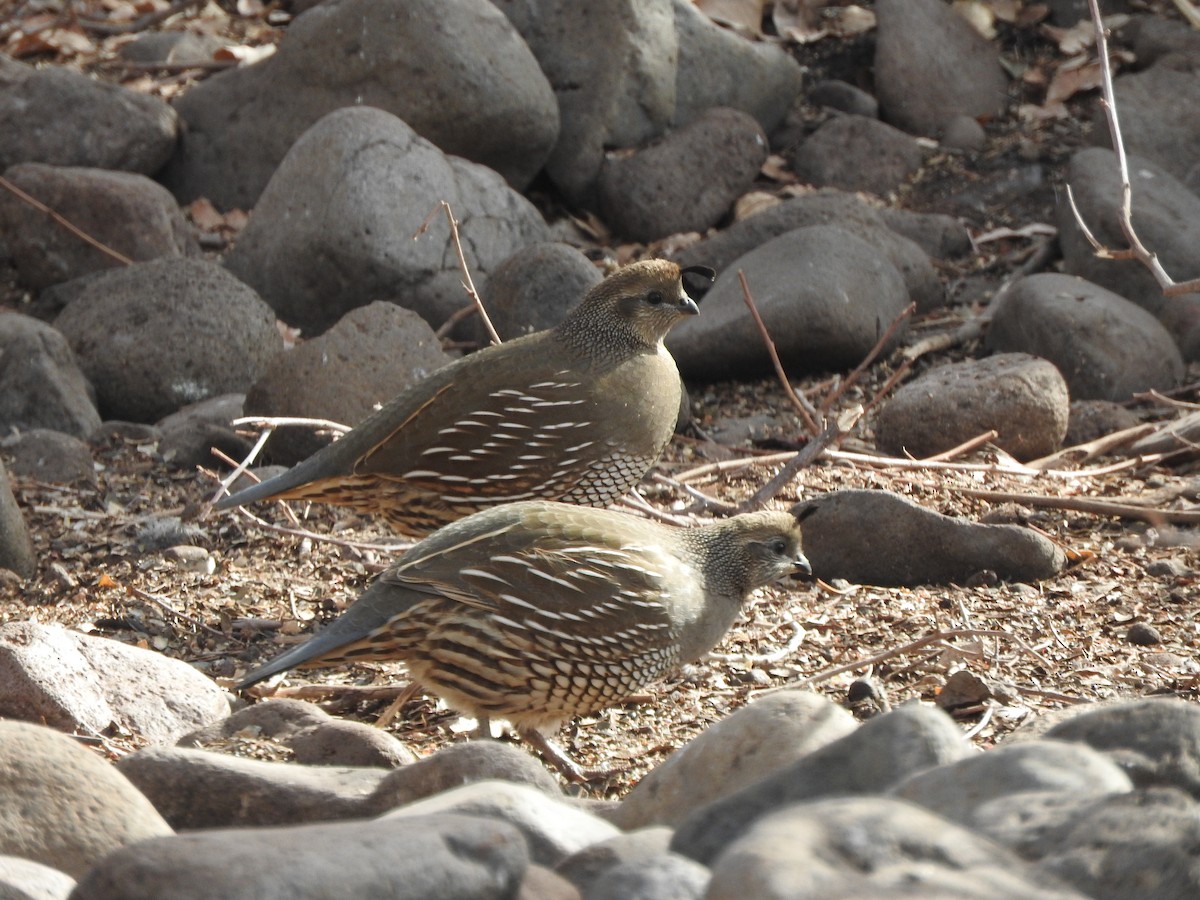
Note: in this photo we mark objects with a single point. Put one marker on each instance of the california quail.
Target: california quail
(538, 611)
(577, 413)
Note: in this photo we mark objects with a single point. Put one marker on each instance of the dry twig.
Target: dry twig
(803, 407)
(1136, 249)
(1153, 515)
(467, 283)
(64, 222)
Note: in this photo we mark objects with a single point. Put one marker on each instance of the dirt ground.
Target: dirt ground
(243, 587)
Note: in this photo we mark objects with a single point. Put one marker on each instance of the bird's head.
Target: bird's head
(643, 301)
(755, 549)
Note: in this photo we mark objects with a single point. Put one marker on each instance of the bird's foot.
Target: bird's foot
(561, 760)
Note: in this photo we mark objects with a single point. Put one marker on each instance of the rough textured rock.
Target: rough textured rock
(923, 546)
(718, 67)
(24, 879)
(1022, 397)
(57, 116)
(444, 856)
(460, 764)
(155, 336)
(199, 789)
(829, 207)
(854, 153)
(822, 293)
(1091, 419)
(1142, 843)
(587, 868)
(63, 806)
(314, 736)
(454, 70)
(16, 548)
(41, 384)
(1157, 742)
(958, 790)
(1105, 347)
(687, 180)
(667, 876)
(750, 744)
(1148, 102)
(89, 684)
(870, 847)
(959, 74)
(50, 456)
(880, 753)
(1167, 217)
(188, 436)
(553, 828)
(126, 212)
(334, 228)
(372, 353)
(534, 289)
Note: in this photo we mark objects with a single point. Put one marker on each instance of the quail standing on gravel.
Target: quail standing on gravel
(578, 413)
(538, 611)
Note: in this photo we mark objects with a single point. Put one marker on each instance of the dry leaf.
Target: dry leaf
(741, 15)
(205, 215)
(754, 202)
(980, 16)
(800, 21)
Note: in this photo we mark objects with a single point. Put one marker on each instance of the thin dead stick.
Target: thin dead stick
(62, 220)
(893, 380)
(467, 283)
(1136, 250)
(224, 485)
(1011, 468)
(1164, 400)
(965, 447)
(141, 23)
(869, 358)
(832, 433)
(732, 465)
(358, 546)
(356, 691)
(805, 409)
(281, 421)
(172, 68)
(166, 607)
(705, 502)
(826, 674)
(1092, 449)
(239, 468)
(634, 500)
(1135, 511)
(1189, 12)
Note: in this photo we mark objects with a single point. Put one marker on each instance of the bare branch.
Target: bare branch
(803, 407)
(63, 221)
(1136, 250)
(468, 284)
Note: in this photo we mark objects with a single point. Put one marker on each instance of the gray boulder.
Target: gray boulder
(922, 546)
(155, 336)
(60, 117)
(824, 294)
(1106, 347)
(41, 384)
(334, 228)
(125, 211)
(455, 70)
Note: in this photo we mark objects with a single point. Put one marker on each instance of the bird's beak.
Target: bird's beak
(801, 571)
(688, 306)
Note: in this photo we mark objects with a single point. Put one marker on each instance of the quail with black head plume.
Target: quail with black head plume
(578, 413)
(538, 611)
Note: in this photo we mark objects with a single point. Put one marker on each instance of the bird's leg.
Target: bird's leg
(385, 718)
(558, 757)
(483, 728)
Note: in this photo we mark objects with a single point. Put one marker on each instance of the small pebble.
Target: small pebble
(1143, 635)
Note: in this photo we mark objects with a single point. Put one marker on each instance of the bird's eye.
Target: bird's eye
(655, 298)
(779, 547)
